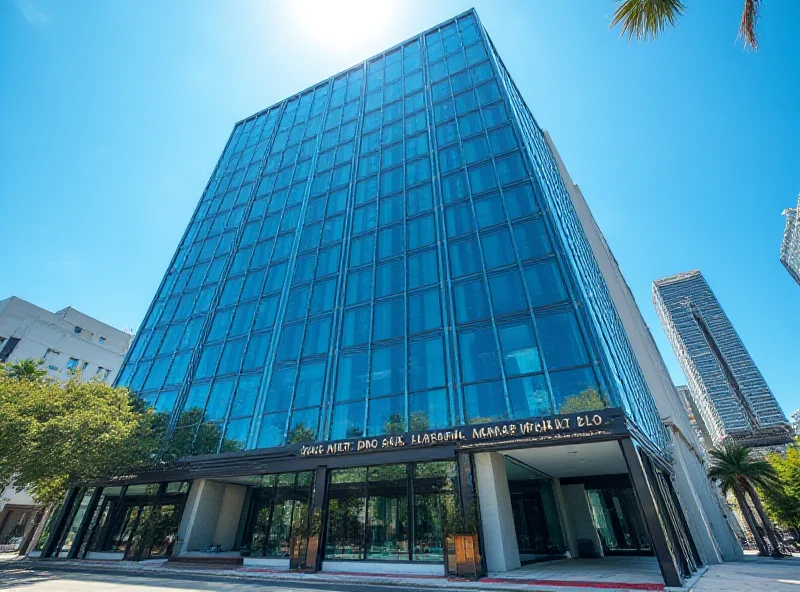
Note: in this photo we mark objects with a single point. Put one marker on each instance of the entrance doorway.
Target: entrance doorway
(536, 518)
(618, 520)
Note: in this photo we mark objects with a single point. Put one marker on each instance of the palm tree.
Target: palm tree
(739, 471)
(646, 19)
(25, 369)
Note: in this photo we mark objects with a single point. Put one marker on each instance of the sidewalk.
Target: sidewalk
(496, 582)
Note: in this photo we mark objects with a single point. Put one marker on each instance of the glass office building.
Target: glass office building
(724, 383)
(790, 245)
(383, 279)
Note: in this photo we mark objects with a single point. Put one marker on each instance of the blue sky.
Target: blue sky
(113, 114)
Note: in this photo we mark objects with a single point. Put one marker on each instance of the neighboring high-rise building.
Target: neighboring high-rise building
(384, 304)
(68, 341)
(790, 246)
(796, 422)
(732, 397)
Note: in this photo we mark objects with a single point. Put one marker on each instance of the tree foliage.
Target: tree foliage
(647, 19)
(24, 369)
(54, 433)
(588, 400)
(782, 501)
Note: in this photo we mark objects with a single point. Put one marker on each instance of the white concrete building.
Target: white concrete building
(67, 340)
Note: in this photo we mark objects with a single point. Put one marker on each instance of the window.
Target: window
(479, 359)
(471, 301)
(426, 364)
(486, 402)
(544, 284)
(518, 344)
(508, 295)
(102, 339)
(423, 312)
(388, 372)
(576, 390)
(528, 397)
(561, 340)
(72, 363)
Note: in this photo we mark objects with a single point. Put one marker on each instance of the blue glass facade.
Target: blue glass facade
(391, 250)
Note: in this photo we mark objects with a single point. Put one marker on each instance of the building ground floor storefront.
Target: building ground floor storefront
(488, 499)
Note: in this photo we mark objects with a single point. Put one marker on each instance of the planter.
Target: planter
(462, 557)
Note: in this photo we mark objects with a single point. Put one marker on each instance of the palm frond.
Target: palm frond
(747, 28)
(646, 19)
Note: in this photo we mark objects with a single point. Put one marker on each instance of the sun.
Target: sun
(341, 24)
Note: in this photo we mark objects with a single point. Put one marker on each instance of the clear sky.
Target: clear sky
(113, 114)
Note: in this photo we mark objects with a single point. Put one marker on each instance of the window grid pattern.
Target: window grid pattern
(605, 330)
(372, 256)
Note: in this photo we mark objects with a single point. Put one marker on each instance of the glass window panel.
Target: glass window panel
(497, 248)
(208, 361)
(391, 241)
(486, 402)
(304, 268)
(466, 102)
(390, 210)
(362, 250)
(450, 159)
(440, 90)
(243, 319)
(561, 340)
(328, 261)
(310, 385)
(177, 371)
(447, 133)
(428, 410)
(389, 278)
(424, 312)
(220, 324)
(281, 387)
(195, 402)
(470, 124)
(489, 211)
(423, 270)
(508, 295)
(218, 402)
(481, 178)
(348, 422)
(364, 218)
(465, 258)
(290, 342)
(577, 390)
(502, 140)
(275, 277)
(303, 427)
(391, 156)
(416, 146)
(418, 171)
(421, 232)
(236, 435)
(317, 337)
(356, 326)
(359, 286)
(389, 320)
(244, 401)
(272, 429)
(532, 239)
(322, 299)
(388, 371)
(267, 309)
(459, 219)
(518, 343)
(472, 303)
(479, 359)
(529, 397)
(232, 355)
(419, 199)
(476, 149)
(510, 168)
(454, 188)
(387, 416)
(426, 364)
(545, 285)
(257, 349)
(352, 377)
(297, 304)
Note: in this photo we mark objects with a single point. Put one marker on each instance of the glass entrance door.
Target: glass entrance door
(618, 520)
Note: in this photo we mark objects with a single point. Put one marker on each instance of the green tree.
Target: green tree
(24, 369)
(738, 470)
(783, 501)
(300, 433)
(588, 400)
(646, 19)
(55, 433)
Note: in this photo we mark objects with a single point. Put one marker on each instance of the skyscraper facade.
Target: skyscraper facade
(383, 305)
(790, 246)
(732, 396)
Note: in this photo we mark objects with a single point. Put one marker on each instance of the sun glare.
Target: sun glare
(341, 24)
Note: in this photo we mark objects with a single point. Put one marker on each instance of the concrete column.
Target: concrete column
(497, 519)
(211, 515)
(579, 518)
